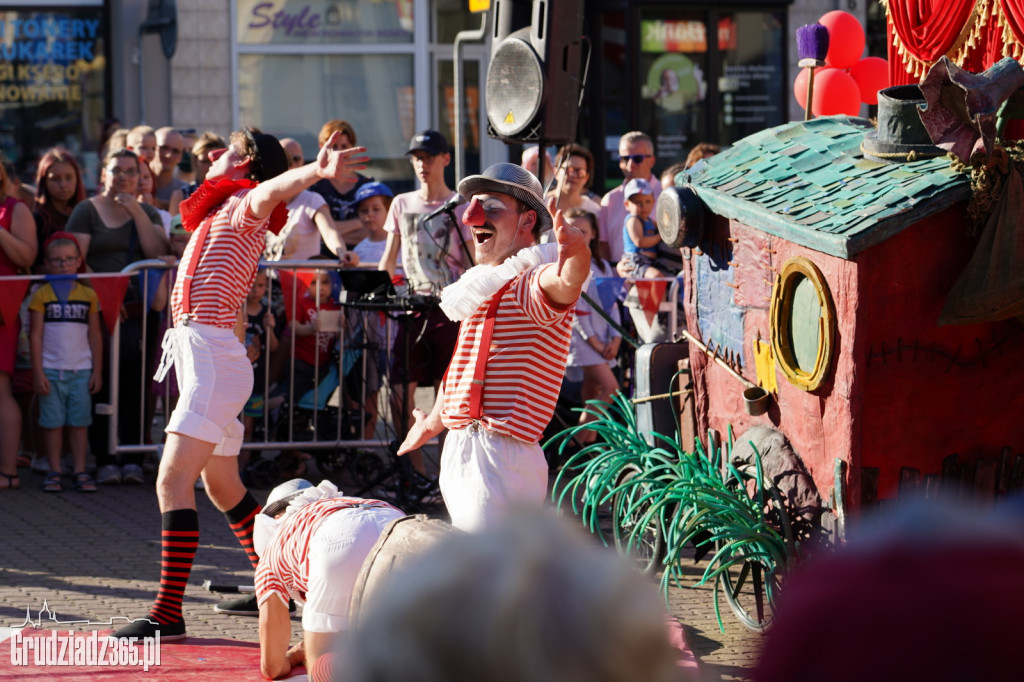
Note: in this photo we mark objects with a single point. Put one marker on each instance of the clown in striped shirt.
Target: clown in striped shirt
(516, 310)
(312, 542)
(240, 199)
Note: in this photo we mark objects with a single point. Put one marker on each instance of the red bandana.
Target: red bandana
(212, 193)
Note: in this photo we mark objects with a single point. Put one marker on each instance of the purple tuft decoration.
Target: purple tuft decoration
(812, 42)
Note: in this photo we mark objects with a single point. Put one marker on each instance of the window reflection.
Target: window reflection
(372, 92)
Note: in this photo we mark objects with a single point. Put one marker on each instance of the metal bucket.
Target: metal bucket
(755, 400)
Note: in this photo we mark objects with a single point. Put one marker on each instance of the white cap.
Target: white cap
(280, 496)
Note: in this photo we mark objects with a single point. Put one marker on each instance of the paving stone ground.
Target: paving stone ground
(94, 557)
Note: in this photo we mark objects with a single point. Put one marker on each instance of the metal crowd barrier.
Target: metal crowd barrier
(332, 438)
(335, 407)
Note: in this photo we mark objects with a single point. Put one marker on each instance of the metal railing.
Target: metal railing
(318, 436)
(331, 436)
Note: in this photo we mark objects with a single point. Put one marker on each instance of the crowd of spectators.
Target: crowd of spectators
(133, 215)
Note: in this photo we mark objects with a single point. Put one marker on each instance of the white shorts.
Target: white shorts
(337, 551)
(483, 473)
(215, 380)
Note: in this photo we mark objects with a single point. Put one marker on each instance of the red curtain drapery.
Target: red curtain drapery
(1009, 19)
(975, 35)
(921, 31)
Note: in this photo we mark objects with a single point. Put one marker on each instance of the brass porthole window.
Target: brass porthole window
(803, 323)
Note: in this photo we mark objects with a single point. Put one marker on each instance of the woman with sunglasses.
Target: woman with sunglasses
(113, 227)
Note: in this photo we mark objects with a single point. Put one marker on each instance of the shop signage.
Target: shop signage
(43, 56)
(660, 35)
(267, 22)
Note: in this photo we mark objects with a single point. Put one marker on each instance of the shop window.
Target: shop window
(674, 72)
(372, 92)
(709, 76)
(753, 53)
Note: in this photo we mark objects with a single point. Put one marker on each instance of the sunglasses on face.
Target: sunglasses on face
(635, 158)
(123, 172)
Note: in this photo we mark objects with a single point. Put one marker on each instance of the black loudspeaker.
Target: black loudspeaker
(535, 79)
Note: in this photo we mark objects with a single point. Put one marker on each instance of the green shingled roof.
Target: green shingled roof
(809, 182)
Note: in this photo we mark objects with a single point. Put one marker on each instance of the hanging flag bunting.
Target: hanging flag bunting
(650, 295)
(12, 293)
(610, 290)
(110, 292)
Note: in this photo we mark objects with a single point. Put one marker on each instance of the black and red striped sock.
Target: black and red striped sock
(242, 518)
(322, 668)
(178, 544)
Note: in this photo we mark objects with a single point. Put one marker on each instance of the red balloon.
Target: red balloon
(800, 84)
(871, 75)
(835, 92)
(845, 38)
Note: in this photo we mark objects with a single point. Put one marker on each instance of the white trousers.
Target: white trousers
(484, 473)
(337, 551)
(215, 380)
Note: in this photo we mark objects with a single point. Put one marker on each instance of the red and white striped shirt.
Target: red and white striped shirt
(284, 567)
(525, 365)
(227, 264)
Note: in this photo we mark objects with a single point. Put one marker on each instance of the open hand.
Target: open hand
(422, 430)
(340, 164)
(297, 654)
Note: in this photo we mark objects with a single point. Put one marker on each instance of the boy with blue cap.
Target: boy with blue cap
(640, 236)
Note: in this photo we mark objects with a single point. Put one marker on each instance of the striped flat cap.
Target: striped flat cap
(516, 181)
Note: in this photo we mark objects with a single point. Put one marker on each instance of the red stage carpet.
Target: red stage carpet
(194, 659)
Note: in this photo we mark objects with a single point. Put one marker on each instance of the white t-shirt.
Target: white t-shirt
(432, 253)
(370, 251)
(299, 239)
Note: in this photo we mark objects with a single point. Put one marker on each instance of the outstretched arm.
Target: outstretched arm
(426, 425)
(563, 284)
(331, 163)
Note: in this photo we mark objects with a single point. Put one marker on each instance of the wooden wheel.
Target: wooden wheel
(647, 547)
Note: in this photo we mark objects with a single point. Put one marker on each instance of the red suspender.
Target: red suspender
(476, 388)
(197, 249)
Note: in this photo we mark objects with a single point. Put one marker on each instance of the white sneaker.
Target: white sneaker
(109, 475)
(40, 464)
(132, 474)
